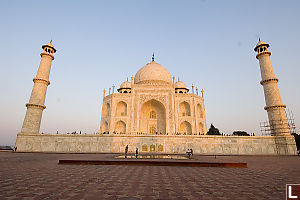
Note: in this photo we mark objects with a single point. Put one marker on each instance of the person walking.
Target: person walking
(136, 152)
(126, 151)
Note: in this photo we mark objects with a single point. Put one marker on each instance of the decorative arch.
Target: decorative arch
(184, 109)
(106, 110)
(144, 147)
(152, 147)
(121, 109)
(120, 127)
(147, 122)
(160, 148)
(105, 127)
(185, 128)
(201, 127)
(199, 111)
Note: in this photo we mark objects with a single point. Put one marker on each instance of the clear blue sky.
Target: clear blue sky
(101, 43)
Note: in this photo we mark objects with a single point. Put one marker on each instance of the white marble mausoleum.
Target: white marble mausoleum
(157, 115)
(153, 104)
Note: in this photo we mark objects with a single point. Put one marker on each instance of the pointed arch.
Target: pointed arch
(106, 110)
(121, 109)
(105, 127)
(201, 127)
(185, 128)
(199, 111)
(152, 117)
(184, 109)
(120, 127)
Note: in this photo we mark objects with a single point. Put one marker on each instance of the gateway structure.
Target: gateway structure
(153, 104)
(155, 114)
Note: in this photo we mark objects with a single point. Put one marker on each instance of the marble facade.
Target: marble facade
(153, 104)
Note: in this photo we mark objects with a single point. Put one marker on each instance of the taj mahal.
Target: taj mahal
(154, 113)
(152, 104)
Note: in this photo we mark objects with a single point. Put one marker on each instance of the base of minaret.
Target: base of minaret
(33, 117)
(278, 121)
(201, 144)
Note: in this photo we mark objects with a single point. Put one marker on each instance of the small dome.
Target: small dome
(126, 84)
(180, 84)
(153, 72)
(260, 43)
(49, 45)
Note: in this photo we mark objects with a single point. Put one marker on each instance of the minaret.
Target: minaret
(274, 106)
(35, 107)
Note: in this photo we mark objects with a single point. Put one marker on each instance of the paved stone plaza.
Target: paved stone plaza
(38, 176)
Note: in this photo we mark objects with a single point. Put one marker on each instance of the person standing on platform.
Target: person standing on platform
(136, 152)
(126, 151)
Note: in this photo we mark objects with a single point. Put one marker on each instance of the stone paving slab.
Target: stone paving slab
(38, 176)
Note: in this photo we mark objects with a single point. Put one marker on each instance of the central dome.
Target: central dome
(153, 73)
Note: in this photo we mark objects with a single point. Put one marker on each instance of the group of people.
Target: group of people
(136, 151)
(178, 133)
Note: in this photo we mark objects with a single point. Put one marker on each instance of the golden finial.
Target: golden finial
(153, 57)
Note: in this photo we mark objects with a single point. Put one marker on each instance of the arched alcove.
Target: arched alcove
(121, 109)
(105, 127)
(185, 128)
(106, 110)
(201, 127)
(120, 127)
(184, 109)
(152, 117)
(152, 147)
(199, 111)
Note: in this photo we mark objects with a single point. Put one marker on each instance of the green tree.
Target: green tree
(213, 130)
(240, 133)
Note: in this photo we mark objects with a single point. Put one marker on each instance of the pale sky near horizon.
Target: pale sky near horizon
(101, 43)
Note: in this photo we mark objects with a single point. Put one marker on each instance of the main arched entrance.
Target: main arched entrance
(152, 118)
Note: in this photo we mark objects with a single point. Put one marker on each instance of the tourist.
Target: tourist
(189, 153)
(192, 152)
(126, 151)
(136, 152)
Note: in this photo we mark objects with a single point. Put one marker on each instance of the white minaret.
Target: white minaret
(35, 107)
(274, 106)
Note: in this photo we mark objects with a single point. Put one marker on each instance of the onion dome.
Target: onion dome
(153, 73)
(180, 85)
(125, 87)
